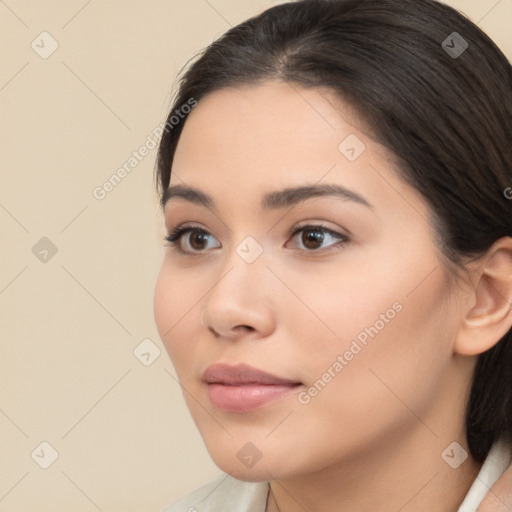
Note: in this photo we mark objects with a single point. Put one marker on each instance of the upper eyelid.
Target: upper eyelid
(311, 224)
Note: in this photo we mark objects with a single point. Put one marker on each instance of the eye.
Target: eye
(197, 242)
(314, 235)
(312, 239)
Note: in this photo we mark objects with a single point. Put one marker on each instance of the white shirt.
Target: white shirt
(227, 494)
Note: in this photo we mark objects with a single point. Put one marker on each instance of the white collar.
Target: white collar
(497, 461)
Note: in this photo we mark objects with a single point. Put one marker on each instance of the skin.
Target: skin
(372, 439)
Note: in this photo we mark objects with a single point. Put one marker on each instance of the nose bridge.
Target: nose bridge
(244, 270)
(237, 296)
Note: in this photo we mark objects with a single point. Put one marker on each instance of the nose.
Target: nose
(241, 301)
(230, 331)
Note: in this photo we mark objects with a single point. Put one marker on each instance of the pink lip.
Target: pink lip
(242, 388)
(222, 373)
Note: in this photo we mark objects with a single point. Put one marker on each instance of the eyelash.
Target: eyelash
(174, 237)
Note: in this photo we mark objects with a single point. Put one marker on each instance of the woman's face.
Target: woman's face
(356, 313)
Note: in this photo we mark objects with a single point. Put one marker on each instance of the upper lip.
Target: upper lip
(240, 374)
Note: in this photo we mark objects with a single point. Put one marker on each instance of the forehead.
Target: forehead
(269, 131)
(240, 143)
(273, 111)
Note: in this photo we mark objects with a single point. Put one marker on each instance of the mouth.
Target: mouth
(242, 388)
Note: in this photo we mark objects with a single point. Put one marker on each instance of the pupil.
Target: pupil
(195, 238)
(310, 237)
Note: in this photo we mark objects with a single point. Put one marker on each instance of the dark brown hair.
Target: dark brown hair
(433, 88)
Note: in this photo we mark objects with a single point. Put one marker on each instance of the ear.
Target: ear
(489, 316)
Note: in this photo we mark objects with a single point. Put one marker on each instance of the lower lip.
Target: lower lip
(246, 397)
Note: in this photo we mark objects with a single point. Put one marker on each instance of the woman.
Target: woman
(336, 294)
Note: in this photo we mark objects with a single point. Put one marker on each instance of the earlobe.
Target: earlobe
(489, 317)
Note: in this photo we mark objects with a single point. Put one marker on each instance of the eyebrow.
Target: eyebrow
(273, 200)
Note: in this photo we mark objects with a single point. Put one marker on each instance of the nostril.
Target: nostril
(240, 329)
(235, 331)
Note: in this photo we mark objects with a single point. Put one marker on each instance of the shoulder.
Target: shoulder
(223, 491)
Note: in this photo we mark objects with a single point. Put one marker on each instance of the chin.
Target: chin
(252, 475)
(233, 464)
(262, 468)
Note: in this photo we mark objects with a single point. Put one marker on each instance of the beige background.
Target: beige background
(70, 324)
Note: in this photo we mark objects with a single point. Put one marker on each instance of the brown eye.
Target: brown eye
(197, 242)
(312, 237)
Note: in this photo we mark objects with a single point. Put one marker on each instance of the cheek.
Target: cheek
(384, 332)
(392, 349)
(163, 305)
(334, 304)
(175, 315)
